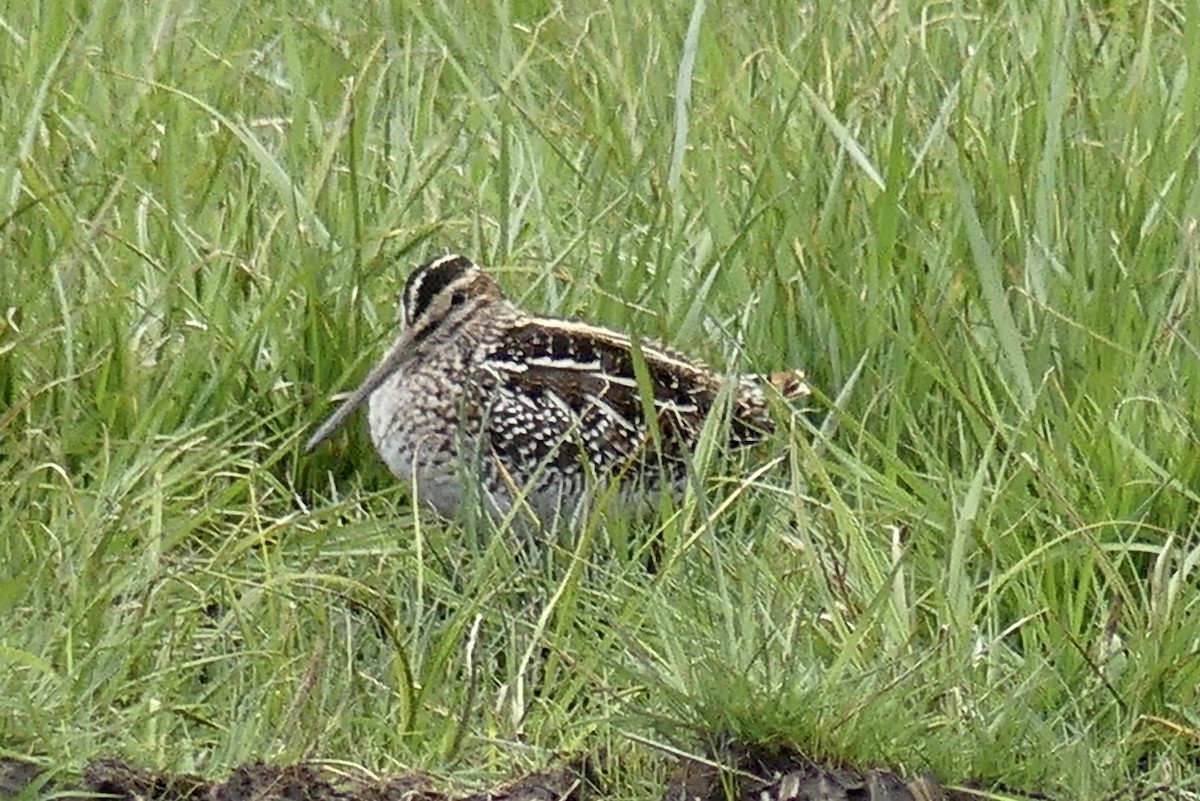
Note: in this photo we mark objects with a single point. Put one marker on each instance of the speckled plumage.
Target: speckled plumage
(481, 401)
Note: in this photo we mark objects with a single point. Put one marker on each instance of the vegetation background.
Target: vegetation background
(975, 224)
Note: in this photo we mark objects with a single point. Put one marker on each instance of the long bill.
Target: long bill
(385, 368)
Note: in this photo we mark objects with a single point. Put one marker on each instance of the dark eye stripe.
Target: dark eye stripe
(429, 280)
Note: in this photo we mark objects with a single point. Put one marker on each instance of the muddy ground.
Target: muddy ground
(788, 777)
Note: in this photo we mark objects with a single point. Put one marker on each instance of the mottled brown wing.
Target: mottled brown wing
(558, 395)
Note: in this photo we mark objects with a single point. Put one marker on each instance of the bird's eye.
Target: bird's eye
(458, 299)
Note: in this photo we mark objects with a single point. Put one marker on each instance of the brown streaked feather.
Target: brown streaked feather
(478, 393)
(790, 384)
(588, 376)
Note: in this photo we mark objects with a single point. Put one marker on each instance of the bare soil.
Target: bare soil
(755, 776)
(256, 781)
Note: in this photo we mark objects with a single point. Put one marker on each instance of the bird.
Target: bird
(479, 402)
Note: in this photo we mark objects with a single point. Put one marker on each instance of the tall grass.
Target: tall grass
(975, 226)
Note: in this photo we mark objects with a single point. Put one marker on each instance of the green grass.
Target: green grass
(974, 224)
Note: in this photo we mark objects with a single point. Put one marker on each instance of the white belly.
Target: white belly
(416, 420)
(414, 426)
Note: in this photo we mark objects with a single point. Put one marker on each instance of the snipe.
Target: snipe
(479, 400)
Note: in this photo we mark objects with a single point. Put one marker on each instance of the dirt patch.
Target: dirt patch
(750, 776)
(793, 778)
(756, 774)
(256, 781)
